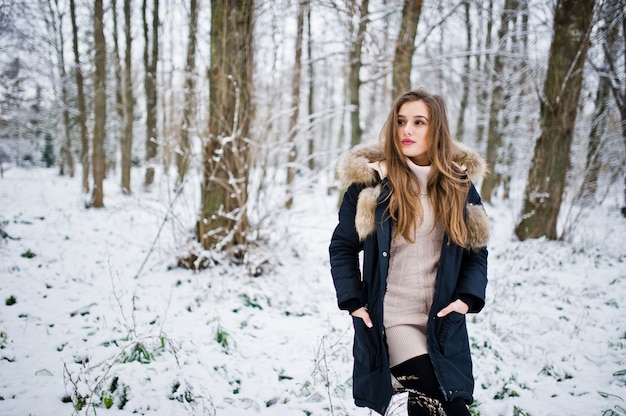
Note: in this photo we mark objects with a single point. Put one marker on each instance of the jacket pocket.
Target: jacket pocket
(452, 337)
(366, 348)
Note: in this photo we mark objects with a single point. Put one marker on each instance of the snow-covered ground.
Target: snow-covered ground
(83, 319)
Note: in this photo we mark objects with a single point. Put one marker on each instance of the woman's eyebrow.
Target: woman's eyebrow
(414, 117)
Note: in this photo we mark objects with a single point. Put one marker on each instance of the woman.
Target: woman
(411, 208)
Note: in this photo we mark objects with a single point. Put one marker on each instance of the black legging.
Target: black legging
(417, 375)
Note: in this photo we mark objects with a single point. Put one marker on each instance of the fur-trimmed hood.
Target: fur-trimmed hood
(364, 165)
(360, 164)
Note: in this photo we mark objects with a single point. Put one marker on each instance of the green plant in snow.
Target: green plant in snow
(221, 336)
(28, 254)
(519, 412)
(79, 402)
(184, 397)
(473, 408)
(107, 399)
(550, 371)
(139, 352)
(10, 301)
(3, 340)
(507, 390)
(250, 302)
(615, 411)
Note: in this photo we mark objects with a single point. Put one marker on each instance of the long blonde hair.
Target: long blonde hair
(447, 183)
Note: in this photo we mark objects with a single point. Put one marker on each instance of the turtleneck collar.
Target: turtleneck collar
(421, 173)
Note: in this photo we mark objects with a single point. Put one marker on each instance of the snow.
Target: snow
(84, 317)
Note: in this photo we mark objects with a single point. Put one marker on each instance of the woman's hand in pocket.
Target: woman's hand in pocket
(363, 314)
(457, 306)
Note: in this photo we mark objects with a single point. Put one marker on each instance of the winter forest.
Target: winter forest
(168, 192)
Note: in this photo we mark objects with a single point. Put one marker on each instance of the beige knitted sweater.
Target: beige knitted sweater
(411, 281)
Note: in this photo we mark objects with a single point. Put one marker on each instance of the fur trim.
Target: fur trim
(353, 165)
(471, 162)
(365, 220)
(477, 226)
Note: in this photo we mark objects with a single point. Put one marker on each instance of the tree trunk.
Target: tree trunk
(405, 46)
(311, 107)
(128, 100)
(484, 63)
(223, 222)
(610, 33)
(354, 79)
(618, 83)
(100, 101)
(82, 107)
(495, 129)
(547, 175)
(66, 149)
(295, 105)
(622, 109)
(150, 59)
(119, 85)
(460, 128)
(183, 152)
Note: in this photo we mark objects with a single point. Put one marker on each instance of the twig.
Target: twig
(178, 192)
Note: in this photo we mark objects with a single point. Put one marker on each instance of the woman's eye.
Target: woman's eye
(400, 122)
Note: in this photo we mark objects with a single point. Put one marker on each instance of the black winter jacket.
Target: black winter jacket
(364, 226)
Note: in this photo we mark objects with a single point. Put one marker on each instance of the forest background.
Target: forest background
(254, 95)
(247, 105)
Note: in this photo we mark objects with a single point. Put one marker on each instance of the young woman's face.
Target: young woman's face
(412, 127)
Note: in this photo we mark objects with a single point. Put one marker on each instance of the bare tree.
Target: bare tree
(611, 16)
(497, 116)
(223, 222)
(119, 95)
(483, 64)
(292, 154)
(150, 62)
(100, 101)
(82, 106)
(183, 152)
(559, 107)
(57, 16)
(617, 82)
(311, 102)
(460, 128)
(129, 101)
(405, 46)
(355, 63)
